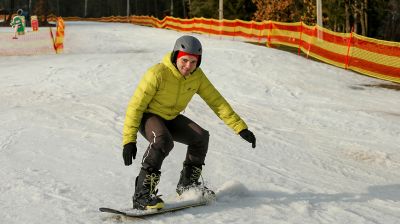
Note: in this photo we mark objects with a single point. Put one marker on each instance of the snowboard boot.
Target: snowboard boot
(189, 179)
(146, 191)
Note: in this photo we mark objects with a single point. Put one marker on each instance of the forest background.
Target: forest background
(372, 18)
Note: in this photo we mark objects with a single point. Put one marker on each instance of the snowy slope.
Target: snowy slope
(327, 144)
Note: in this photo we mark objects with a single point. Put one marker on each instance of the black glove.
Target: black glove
(248, 136)
(129, 153)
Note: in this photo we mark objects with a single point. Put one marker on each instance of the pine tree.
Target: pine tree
(239, 9)
(204, 8)
(233, 9)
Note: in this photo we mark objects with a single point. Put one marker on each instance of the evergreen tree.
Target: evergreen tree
(233, 9)
(204, 8)
(239, 9)
(389, 28)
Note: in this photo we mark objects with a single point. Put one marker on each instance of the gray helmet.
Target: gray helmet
(19, 12)
(188, 44)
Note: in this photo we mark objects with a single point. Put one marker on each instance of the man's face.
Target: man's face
(186, 64)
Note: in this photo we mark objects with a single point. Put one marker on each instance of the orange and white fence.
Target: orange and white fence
(377, 58)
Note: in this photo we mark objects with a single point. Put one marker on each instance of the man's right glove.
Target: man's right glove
(248, 136)
(129, 152)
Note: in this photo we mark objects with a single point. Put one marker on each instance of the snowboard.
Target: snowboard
(169, 207)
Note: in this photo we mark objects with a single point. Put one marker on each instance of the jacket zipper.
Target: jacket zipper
(179, 93)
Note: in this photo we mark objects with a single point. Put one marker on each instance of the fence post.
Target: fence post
(251, 31)
(301, 32)
(348, 49)
(221, 26)
(260, 33)
(269, 34)
(209, 30)
(234, 29)
(313, 37)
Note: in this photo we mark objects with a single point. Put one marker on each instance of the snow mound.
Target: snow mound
(232, 190)
(192, 194)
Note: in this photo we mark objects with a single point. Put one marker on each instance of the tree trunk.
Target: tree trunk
(10, 13)
(362, 18)
(355, 24)
(357, 14)
(366, 16)
(347, 15)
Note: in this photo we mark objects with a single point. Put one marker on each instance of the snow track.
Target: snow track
(327, 141)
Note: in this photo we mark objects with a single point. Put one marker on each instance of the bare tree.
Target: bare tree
(347, 15)
(41, 9)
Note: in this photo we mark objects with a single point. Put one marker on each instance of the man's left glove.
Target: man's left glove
(129, 152)
(248, 136)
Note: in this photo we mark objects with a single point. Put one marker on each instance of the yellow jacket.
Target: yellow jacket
(165, 92)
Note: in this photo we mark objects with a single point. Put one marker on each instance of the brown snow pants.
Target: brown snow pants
(161, 135)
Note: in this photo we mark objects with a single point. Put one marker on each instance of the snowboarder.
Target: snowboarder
(154, 110)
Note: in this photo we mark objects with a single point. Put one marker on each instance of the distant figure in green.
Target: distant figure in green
(18, 23)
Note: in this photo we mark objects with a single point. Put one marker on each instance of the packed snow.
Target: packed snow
(328, 146)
